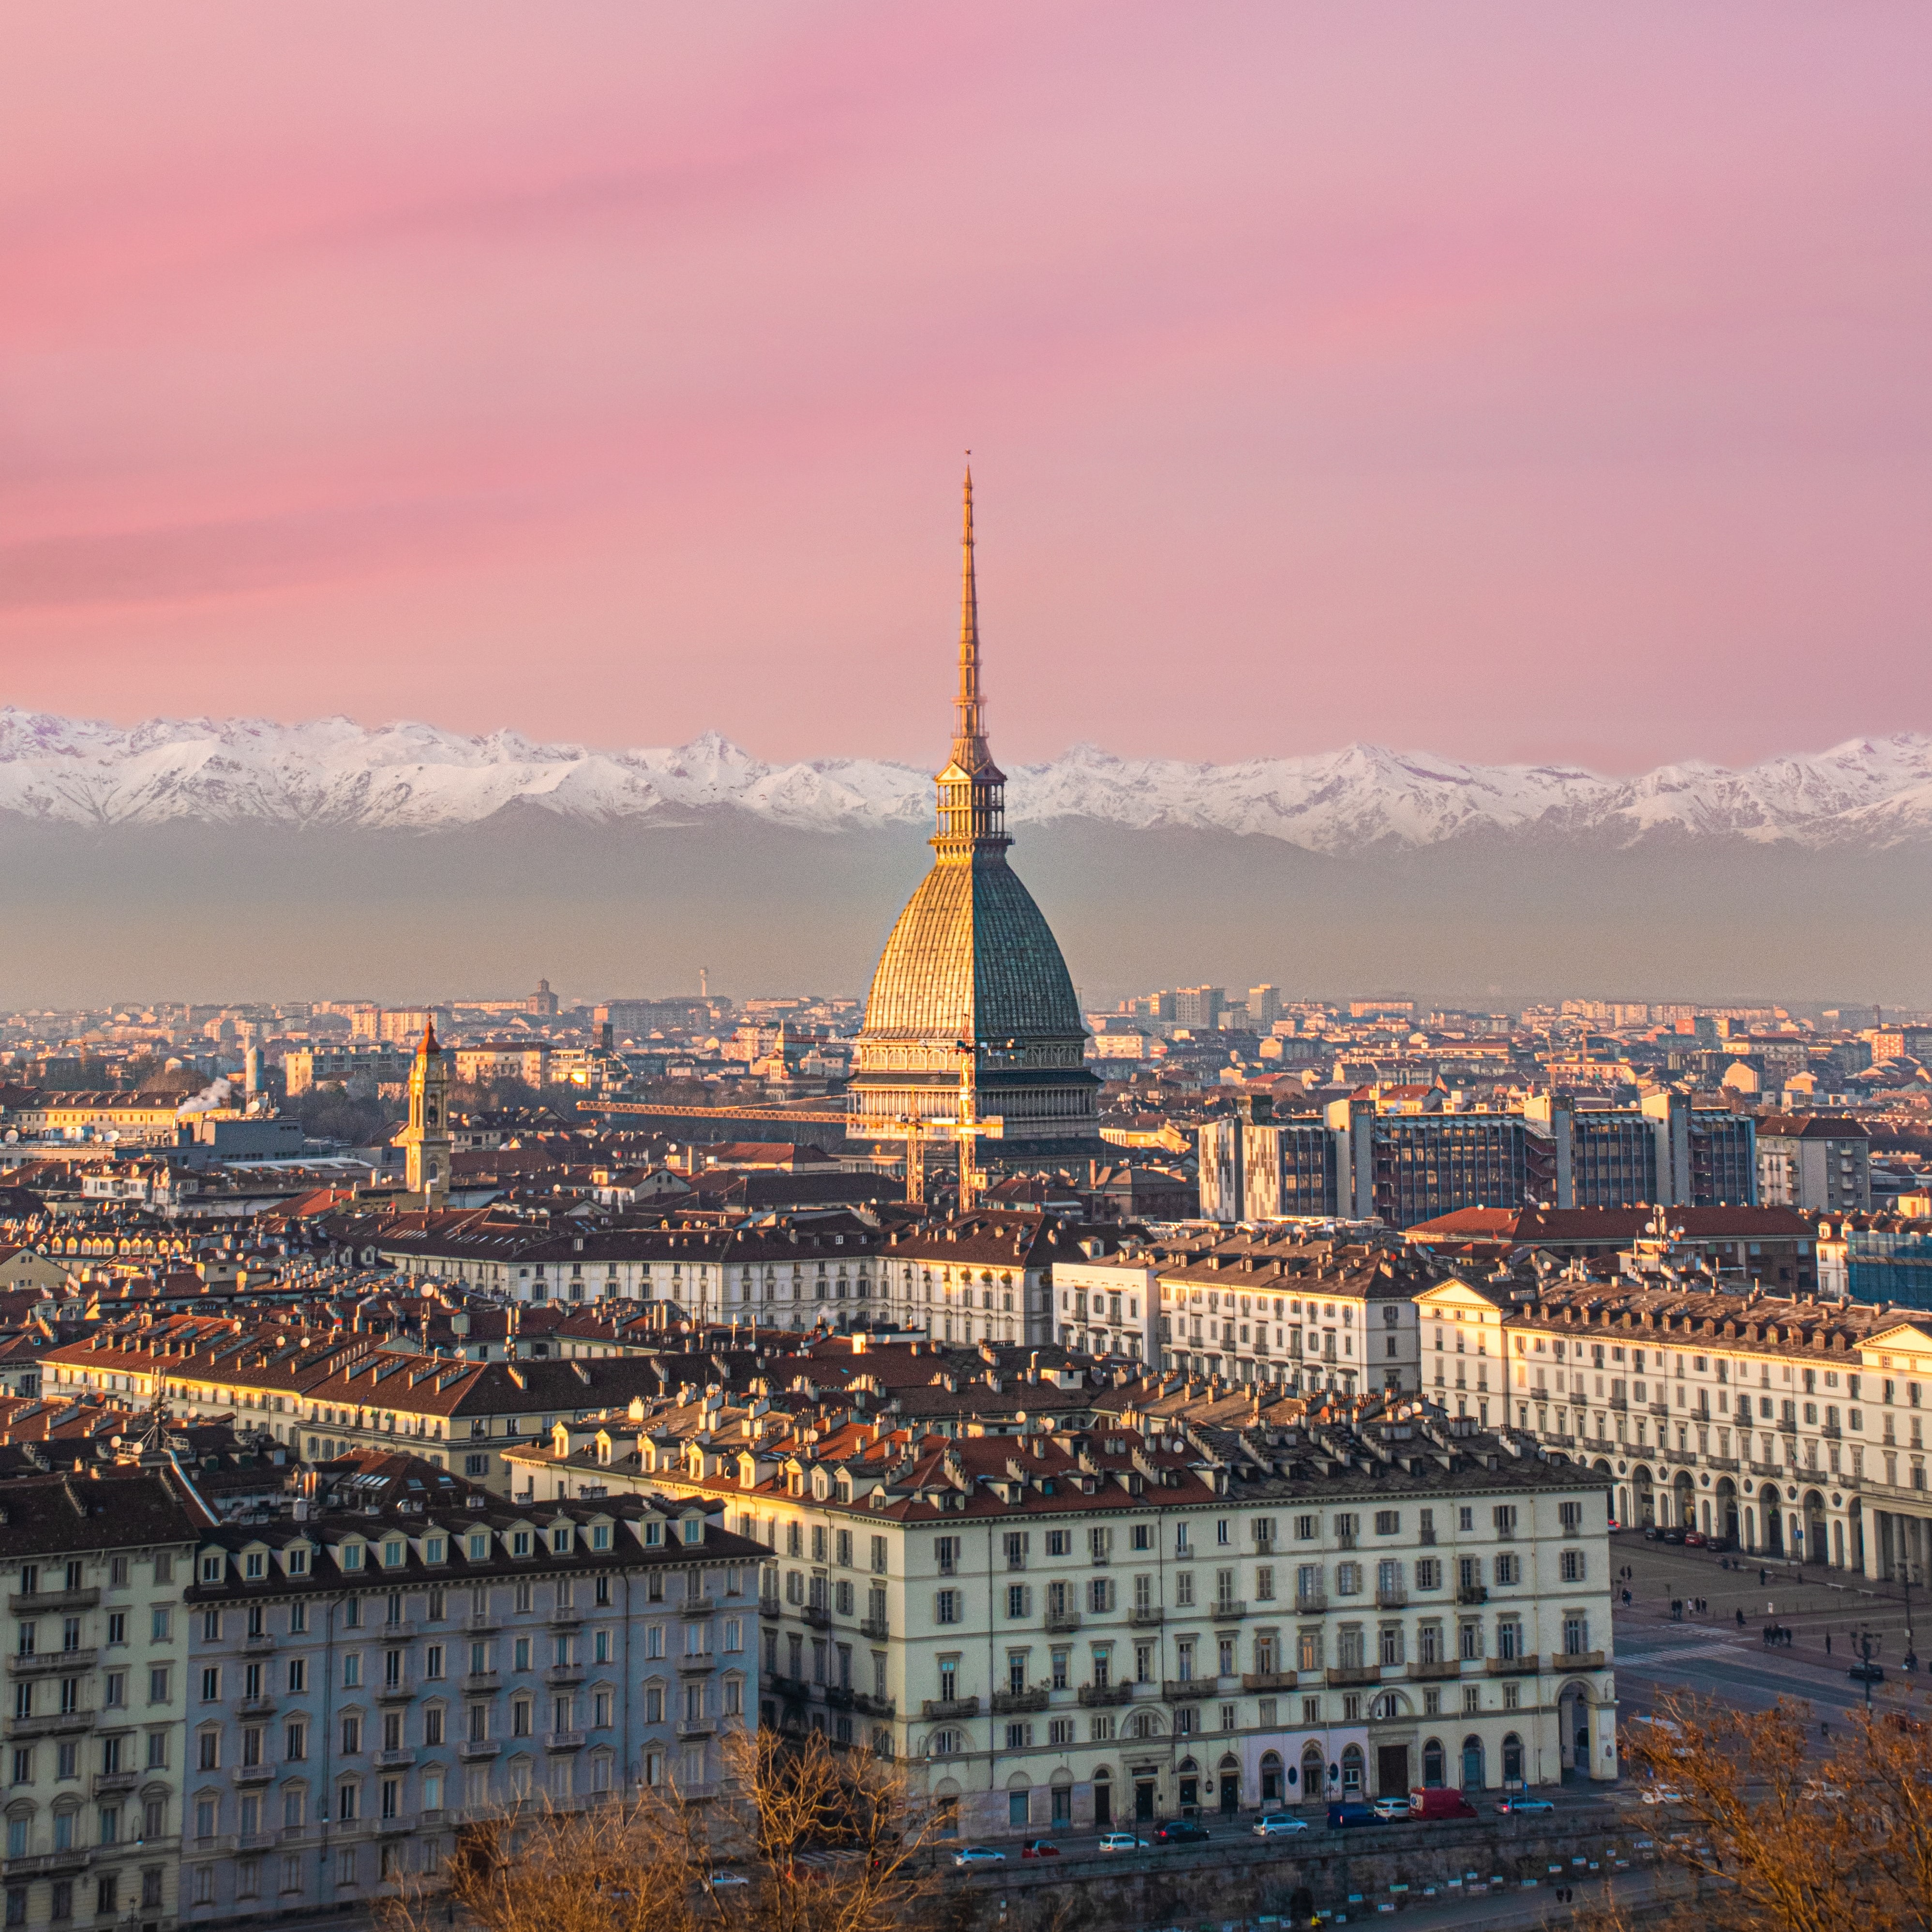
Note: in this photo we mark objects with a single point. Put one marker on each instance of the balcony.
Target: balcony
(50, 1663)
(54, 1724)
(698, 1606)
(1471, 1593)
(691, 1665)
(770, 1606)
(1391, 1599)
(1145, 1616)
(870, 1706)
(693, 1727)
(1187, 1689)
(1268, 1680)
(1006, 1701)
(1513, 1667)
(839, 1697)
(480, 1683)
(1441, 1666)
(559, 1676)
(949, 1707)
(816, 1615)
(395, 1694)
(252, 1774)
(1353, 1673)
(1577, 1660)
(1227, 1609)
(36, 1600)
(1308, 1601)
(261, 1645)
(256, 1707)
(1425, 1535)
(571, 1741)
(50, 1864)
(481, 1624)
(877, 1628)
(471, 1749)
(115, 1780)
(394, 1760)
(1345, 1539)
(1062, 1623)
(564, 1616)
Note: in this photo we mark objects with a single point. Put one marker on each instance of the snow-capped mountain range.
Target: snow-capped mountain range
(1868, 792)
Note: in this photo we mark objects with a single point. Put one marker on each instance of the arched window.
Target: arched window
(1352, 1762)
(1512, 1760)
(1432, 1763)
(1271, 1785)
(1472, 1763)
(1314, 1777)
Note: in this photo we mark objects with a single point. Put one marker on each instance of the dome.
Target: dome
(972, 957)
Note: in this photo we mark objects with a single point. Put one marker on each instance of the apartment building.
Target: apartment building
(1406, 1153)
(326, 1392)
(1818, 1162)
(1792, 1427)
(364, 1681)
(94, 1741)
(1307, 1315)
(1066, 1628)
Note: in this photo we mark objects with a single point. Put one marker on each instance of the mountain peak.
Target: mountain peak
(407, 775)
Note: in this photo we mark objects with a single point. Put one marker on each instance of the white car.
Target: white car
(978, 1855)
(722, 1881)
(1662, 1794)
(1278, 1822)
(1122, 1841)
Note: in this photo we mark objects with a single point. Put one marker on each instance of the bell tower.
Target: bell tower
(426, 1142)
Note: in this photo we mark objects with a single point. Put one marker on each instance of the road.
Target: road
(1708, 1654)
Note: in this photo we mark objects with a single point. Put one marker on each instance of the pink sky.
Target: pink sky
(1518, 382)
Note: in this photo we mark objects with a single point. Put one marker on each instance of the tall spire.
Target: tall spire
(972, 788)
(970, 731)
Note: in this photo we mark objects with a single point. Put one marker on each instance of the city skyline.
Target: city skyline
(1427, 397)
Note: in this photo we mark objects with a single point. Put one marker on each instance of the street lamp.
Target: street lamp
(1866, 1642)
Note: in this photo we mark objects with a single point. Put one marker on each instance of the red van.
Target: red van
(1439, 1802)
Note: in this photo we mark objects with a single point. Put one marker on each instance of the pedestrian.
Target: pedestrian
(1763, 1576)
(1741, 1617)
(1828, 1643)
(1824, 1729)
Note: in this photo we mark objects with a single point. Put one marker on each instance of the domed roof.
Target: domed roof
(972, 957)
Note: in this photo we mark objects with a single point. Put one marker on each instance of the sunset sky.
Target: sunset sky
(1517, 381)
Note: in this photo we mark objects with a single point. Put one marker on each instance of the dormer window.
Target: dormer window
(351, 1556)
(693, 1530)
(297, 1561)
(433, 1550)
(254, 1565)
(392, 1553)
(520, 1543)
(559, 1539)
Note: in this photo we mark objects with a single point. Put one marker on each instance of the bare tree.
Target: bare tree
(804, 1839)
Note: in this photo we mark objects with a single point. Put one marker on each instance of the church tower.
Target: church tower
(971, 988)
(426, 1142)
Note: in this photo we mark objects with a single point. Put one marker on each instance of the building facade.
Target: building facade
(360, 1685)
(1066, 1630)
(1818, 1162)
(98, 1665)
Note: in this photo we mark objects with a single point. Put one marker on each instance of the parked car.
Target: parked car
(1122, 1841)
(1662, 1794)
(1650, 1532)
(1717, 1543)
(724, 1881)
(978, 1855)
(1182, 1831)
(1387, 1809)
(1673, 1536)
(1439, 1800)
(1693, 1539)
(1275, 1824)
(1514, 1807)
(1347, 1812)
(1040, 1848)
(1867, 1673)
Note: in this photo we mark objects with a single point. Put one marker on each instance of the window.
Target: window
(1573, 1566)
(946, 1551)
(1388, 1522)
(946, 1606)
